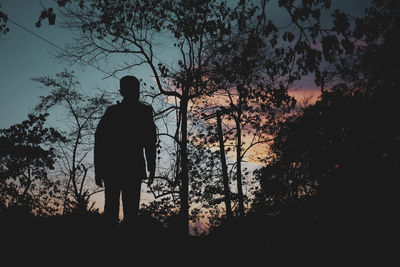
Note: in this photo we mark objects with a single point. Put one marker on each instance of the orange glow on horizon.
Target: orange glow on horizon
(305, 96)
(260, 151)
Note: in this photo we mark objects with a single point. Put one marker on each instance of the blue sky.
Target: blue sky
(24, 56)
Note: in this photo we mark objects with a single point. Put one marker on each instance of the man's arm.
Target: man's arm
(100, 140)
(150, 146)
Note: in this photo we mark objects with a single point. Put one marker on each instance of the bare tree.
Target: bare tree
(81, 112)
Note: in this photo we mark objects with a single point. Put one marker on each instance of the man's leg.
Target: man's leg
(111, 206)
(131, 200)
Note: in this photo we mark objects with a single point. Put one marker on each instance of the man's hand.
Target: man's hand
(151, 178)
(99, 181)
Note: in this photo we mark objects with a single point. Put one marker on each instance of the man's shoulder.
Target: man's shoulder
(146, 107)
(141, 108)
(113, 108)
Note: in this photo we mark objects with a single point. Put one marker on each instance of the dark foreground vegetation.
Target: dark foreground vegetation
(306, 233)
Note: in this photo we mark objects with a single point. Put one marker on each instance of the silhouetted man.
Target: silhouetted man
(125, 130)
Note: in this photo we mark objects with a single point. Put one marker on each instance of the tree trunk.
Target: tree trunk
(239, 165)
(184, 191)
(227, 192)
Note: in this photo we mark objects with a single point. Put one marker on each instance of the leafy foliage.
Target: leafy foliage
(27, 156)
(342, 153)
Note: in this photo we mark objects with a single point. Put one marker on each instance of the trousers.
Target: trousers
(130, 189)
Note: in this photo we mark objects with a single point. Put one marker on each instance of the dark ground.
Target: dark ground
(82, 240)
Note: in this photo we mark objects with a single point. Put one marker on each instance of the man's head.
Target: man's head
(129, 87)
